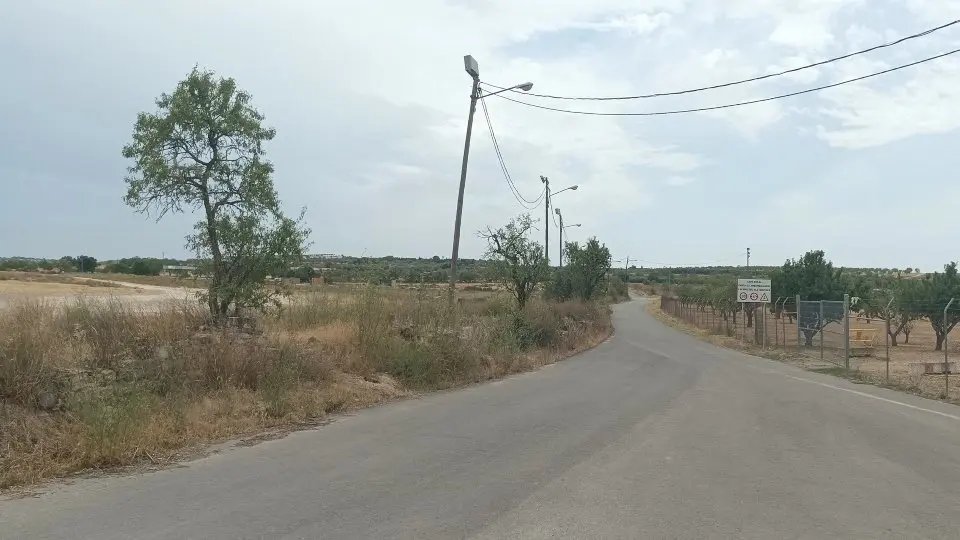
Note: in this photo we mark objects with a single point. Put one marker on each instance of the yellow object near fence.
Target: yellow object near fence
(861, 341)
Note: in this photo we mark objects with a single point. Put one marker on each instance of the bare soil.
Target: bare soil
(868, 361)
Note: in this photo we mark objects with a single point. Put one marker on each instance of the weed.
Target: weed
(93, 384)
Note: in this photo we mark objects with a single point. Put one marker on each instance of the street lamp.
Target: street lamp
(573, 188)
(546, 213)
(562, 227)
(473, 69)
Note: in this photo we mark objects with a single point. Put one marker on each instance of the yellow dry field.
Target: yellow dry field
(19, 287)
(28, 289)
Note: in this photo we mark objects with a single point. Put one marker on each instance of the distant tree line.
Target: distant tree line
(902, 297)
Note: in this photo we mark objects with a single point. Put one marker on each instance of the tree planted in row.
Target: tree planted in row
(813, 277)
(934, 295)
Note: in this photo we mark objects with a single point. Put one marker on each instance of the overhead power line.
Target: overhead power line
(524, 202)
(731, 105)
(742, 81)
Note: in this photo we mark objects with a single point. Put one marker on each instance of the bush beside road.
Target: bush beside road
(89, 385)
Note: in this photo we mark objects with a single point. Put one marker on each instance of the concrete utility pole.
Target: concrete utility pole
(546, 218)
(563, 228)
(557, 210)
(473, 69)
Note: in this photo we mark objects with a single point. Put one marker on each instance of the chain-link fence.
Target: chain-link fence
(911, 345)
(816, 330)
(823, 330)
(771, 326)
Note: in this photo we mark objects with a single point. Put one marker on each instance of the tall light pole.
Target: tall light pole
(473, 69)
(559, 215)
(546, 219)
(562, 227)
(546, 214)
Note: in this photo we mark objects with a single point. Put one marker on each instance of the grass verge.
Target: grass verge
(911, 386)
(96, 385)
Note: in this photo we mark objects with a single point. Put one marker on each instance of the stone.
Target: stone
(47, 400)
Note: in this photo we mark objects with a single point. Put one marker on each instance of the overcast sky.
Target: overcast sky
(369, 99)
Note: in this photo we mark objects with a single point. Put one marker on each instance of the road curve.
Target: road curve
(651, 435)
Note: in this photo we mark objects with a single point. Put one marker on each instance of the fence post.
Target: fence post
(776, 330)
(886, 336)
(798, 327)
(744, 325)
(821, 325)
(783, 322)
(766, 340)
(846, 331)
(946, 353)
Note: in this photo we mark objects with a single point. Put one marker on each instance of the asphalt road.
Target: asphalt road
(651, 435)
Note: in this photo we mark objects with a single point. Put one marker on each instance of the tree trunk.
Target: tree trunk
(749, 315)
(808, 337)
(216, 280)
(906, 337)
(893, 339)
(940, 338)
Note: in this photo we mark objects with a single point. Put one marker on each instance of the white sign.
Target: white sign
(753, 290)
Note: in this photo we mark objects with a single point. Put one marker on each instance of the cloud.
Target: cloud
(370, 102)
(679, 181)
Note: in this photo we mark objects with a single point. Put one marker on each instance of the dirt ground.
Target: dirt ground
(148, 293)
(868, 348)
(16, 288)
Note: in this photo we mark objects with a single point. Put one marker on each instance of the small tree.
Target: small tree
(587, 266)
(86, 263)
(518, 261)
(935, 293)
(203, 151)
(66, 264)
(813, 277)
(904, 297)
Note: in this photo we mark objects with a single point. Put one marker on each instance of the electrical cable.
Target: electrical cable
(731, 105)
(506, 173)
(524, 202)
(743, 81)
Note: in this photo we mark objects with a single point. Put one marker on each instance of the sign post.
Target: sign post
(754, 291)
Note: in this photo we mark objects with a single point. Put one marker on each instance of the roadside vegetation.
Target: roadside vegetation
(99, 383)
(899, 321)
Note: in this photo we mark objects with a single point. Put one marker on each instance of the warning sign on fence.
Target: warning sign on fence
(753, 290)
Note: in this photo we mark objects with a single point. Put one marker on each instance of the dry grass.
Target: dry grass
(86, 280)
(93, 385)
(161, 281)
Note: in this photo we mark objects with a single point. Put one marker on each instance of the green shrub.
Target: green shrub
(617, 289)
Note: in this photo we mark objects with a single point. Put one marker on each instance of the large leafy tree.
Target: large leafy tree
(202, 150)
(518, 261)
